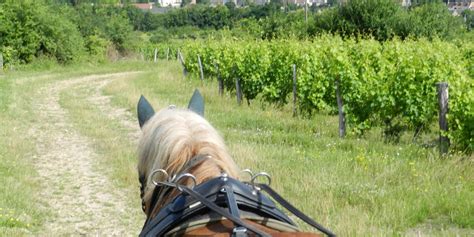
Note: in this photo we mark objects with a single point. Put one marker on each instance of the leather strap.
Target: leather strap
(294, 210)
(238, 231)
(221, 211)
(231, 202)
(193, 162)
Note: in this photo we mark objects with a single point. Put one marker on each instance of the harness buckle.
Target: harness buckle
(239, 231)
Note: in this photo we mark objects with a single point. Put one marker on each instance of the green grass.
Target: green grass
(19, 213)
(354, 186)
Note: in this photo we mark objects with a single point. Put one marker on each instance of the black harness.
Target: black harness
(223, 197)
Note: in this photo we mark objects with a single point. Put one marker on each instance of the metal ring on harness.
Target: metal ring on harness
(264, 174)
(185, 175)
(153, 174)
(247, 171)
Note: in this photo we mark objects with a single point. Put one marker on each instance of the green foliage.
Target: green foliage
(280, 26)
(32, 29)
(433, 20)
(230, 5)
(391, 84)
(120, 34)
(185, 3)
(385, 19)
(109, 23)
(369, 17)
(137, 17)
(162, 34)
(468, 16)
(97, 46)
(200, 16)
(59, 36)
(203, 2)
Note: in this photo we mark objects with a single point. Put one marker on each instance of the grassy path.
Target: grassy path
(57, 181)
(82, 198)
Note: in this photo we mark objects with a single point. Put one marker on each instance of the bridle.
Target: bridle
(164, 188)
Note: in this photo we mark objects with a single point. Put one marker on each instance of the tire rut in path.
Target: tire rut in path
(83, 201)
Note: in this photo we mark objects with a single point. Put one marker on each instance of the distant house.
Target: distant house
(460, 4)
(159, 5)
(406, 3)
(261, 2)
(453, 5)
(143, 6)
(309, 2)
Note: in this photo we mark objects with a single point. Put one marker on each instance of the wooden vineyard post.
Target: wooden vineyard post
(168, 54)
(1, 62)
(156, 54)
(294, 90)
(219, 80)
(443, 122)
(200, 69)
(305, 11)
(342, 116)
(181, 59)
(238, 90)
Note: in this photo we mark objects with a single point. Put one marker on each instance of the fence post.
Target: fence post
(238, 90)
(200, 69)
(342, 115)
(156, 54)
(1, 62)
(443, 122)
(294, 90)
(167, 54)
(306, 12)
(181, 59)
(219, 80)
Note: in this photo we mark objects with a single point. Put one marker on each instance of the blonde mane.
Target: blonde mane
(171, 138)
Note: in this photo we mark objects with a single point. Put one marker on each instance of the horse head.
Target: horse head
(171, 138)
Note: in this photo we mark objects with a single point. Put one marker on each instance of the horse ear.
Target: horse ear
(144, 111)
(196, 103)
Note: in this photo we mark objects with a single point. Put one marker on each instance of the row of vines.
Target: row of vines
(390, 84)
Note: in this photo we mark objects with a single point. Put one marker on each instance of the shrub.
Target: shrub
(32, 29)
(433, 20)
(385, 19)
(97, 46)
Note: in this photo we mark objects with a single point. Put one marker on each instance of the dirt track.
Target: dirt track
(82, 199)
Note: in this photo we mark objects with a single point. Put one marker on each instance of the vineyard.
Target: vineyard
(390, 84)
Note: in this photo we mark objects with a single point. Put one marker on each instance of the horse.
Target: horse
(190, 185)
